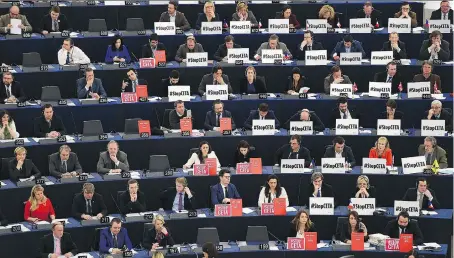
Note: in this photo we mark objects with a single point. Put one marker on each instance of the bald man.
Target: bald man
(306, 115)
(58, 243)
(5, 20)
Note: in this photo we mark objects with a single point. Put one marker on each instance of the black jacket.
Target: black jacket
(392, 230)
(150, 238)
(240, 158)
(210, 119)
(285, 152)
(410, 195)
(292, 232)
(397, 115)
(79, 205)
(327, 191)
(259, 85)
(203, 18)
(55, 164)
(443, 55)
(255, 115)
(436, 15)
(397, 79)
(165, 83)
(335, 114)
(444, 115)
(345, 234)
(147, 52)
(46, 23)
(396, 55)
(16, 90)
(168, 196)
(41, 126)
(67, 245)
(375, 16)
(174, 119)
(28, 169)
(301, 55)
(371, 192)
(318, 124)
(126, 206)
(347, 153)
(222, 51)
(129, 87)
(290, 83)
(3, 220)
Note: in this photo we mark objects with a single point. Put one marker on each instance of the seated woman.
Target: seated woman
(209, 250)
(391, 112)
(243, 14)
(353, 224)
(243, 152)
(286, 13)
(21, 167)
(301, 224)
(8, 127)
(201, 155)
(117, 52)
(38, 207)
(251, 84)
(208, 15)
(271, 190)
(327, 12)
(158, 236)
(382, 151)
(363, 188)
(295, 82)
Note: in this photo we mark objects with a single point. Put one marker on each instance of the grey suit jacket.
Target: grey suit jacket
(105, 163)
(180, 20)
(72, 164)
(330, 79)
(439, 154)
(6, 19)
(183, 50)
(250, 17)
(208, 79)
(280, 45)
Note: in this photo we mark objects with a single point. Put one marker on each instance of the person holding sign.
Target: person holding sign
(58, 243)
(318, 188)
(22, 168)
(293, 150)
(244, 152)
(301, 224)
(221, 53)
(7, 127)
(435, 48)
(423, 195)
(308, 44)
(273, 43)
(113, 160)
(251, 84)
(243, 14)
(391, 112)
(216, 77)
(390, 76)
(224, 190)
(271, 190)
(55, 21)
(6, 24)
(114, 239)
(132, 200)
(38, 207)
(395, 45)
(178, 198)
(403, 225)
(148, 50)
(208, 15)
(209, 250)
(340, 150)
(369, 11)
(177, 114)
(11, 90)
(443, 13)
(347, 45)
(382, 151)
(88, 204)
(262, 113)
(327, 12)
(132, 81)
(89, 86)
(436, 112)
(157, 236)
(428, 76)
(342, 112)
(213, 117)
(191, 46)
(363, 188)
(286, 13)
(406, 13)
(64, 163)
(172, 15)
(352, 225)
(335, 77)
(117, 52)
(433, 152)
(295, 82)
(199, 156)
(306, 115)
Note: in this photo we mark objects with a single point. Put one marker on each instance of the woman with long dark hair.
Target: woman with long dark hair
(301, 224)
(272, 190)
(199, 156)
(209, 250)
(353, 224)
(117, 52)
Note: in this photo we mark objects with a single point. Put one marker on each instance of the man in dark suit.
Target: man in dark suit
(224, 190)
(113, 239)
(89, 86)
(422, 194)
(391, 112)
(177, 114)
(262, 113)
(395, 45)
(113, 160)
(435, 48)
(436, 112)
(11, 90)
(318, 188)
(340, 150)
(306, 115)
(293, 150)
(431, 151)
(444, 13)
(179, 197)
(216, 77)
(152, 46)
(390, 75)
(48, 124)
(88, 204)
(406, 13)
(307, 44)
(130, 84)
(212, 118)
(172, 15)
(64, 163)
(342, 112)
(335, 77)
(347, 45)
(403, 225)
(428, 76)
(54, 21)
(174, 79)
(132, 200)
(369, 11)
(221, 53)
(58, 243)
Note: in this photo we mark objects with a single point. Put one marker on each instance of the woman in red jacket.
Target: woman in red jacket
(38, 207)
(382, 151)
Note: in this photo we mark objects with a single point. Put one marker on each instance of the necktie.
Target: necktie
(226, 192)
(389, 79)
(89, 208)
(319, 193)
(444, 16)
(429, 159)
(344, 116)
(421, 197)
(8, 91)
(134, 86)
(347, 50)
(57, 250)
(55, 25)
(309, 48)
(180, 201)
(115, 242)
(64, 168)
(67, 58)
(218, 116)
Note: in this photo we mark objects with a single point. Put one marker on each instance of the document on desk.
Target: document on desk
(424, 212)
(247, 210)
(66, 221)
(438, 96)
(83, 255)
(290, 209)
(15, 29)
(321, 245)
(25, 139)
(25, 179)
(42, 222)
(3, 184)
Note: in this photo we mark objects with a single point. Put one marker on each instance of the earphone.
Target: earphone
(297, 138)
(217, 102)
(133, 70)
(419, 179)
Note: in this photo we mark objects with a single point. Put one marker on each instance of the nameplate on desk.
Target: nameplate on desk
(91, 2)
(222, 210)
(443, 26)
(128, 97)
(317, 26)
(148, 216)
(360, 25)
(347, 126)
(125, 175)
(412, 165)
(16, 228)
(103, 100)
(433, 127)
(61, 138)
(19, 142)
(388, 127)
(278, 26)
(225, 125)
(240, 27)
(219, 248)
(376, 89)
(333, 165)
(182, 93)
(197, 59)
(321, 206)
(381, 57)
(270, 55)
(165, 28)
(364, 206)
(141, 32)
(62, 102)
(374, 166)
(122, 65)
(40, 181)
(292, 165)
(399, 25)
(211, 28)
(127, 254)
(295, 243)
(316, 57)
(301, 127)
(104, 220)
(83, 178)
(103, 137)
(200, 170)
(263, 127)
(237, 54)
(44, 67)
(412, 207)
(338, 89)
(26, 35)
(83, 66)
(21, 104)
(4, 69)
(243, 169)
(267, 209)
(104, 33)
(65, 34)
(392, 244)
(214, 92)
(147, 63)
(417, 89)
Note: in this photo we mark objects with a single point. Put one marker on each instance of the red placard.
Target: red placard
(142, 91)
(186, 125)
(147, 62)
(357, 241)
(405, 243)
(280, 206)
(144, 126)
(222, 210)
(212, 166)
(392, 244)
(237, 207)
(242, 168)
(267, 209)
(200, 170)
(295, 243)
(255, 165)
(160, 56)
(225, 124)
(128, 97)
(310, 241)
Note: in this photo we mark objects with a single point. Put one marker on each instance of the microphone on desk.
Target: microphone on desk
(135, 57)
(278, 240)
(76, 134)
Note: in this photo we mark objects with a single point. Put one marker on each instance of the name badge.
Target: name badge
(317, 26)
(433, 127)
(333, 165)
(381, 57)
(234, 54)
(269, 55)
(392, 244)
(211, 28)
(222, 210)
(147, 63)
(200, 170)
(399, 25)
(128, 97)
(215, 92)
(341, 89)
(263, 127)
(374, 166)
(292, 165)
(443, 26)
(267, 209)
(240, 27)
(411, 207)
(197, 59)
(295, 243)
(179, 93)
(352, 58)
(321, 206)
(164, 28)
(413, 165)
(364, 206)
(360, 25)
(347, 126)
(243, 169)
(388, 127)
(316, 57)
(376, 89)
(301, 127)
(278, 26)
(417, 89)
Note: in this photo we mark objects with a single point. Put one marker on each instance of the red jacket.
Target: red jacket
(388, 155)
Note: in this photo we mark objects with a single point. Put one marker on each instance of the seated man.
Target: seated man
(113, 239)
(435, 48)
(212, 118)
(152, 46)
(172, 15)
(130, 85)
(428, 76)
(335, 77)
(132, 200)
(48, 125)
(177, 114)
(369, 11)
(64, 163)
(395, 45)
(179, 197)
(443, 13)
(423, 195)
(308, 44)
(406, 13)
(113, 160)
(306, 115)
(58, 243)
(340, 150)
(223, 191)
(221, 53)
(347, 45)
(342, 112)
(436, 112)
(55, 21)
(261, 114)
(318, 188)
(273, 43)
(215, 78)
(433, 152)
(88, 204)
(10, 90)
(294, 150)
(71, 55)
(174, 79)
(191, 46)
(5, 21)
(391, 112)
(390, 75)
(89, 86)
(403, 225)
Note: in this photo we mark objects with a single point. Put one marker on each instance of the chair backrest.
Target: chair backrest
(257, 234)
(449, 110)
(159, 163)
(146, 227)
(132, 125)
(4, 171)
(207, 235)
(341, 221)
(50, 93)
(96, 237)
(134, 24)
(119, 193)
(92, 128)
(192, 150)
(165, 119)
(32, 59)
(97, 25)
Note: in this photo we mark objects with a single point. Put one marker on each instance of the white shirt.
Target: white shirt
(264, 199)
(194, 159)
(76, 56)
(338, 155)
(347, 113)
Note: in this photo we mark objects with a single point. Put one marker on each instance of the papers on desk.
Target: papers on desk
(182, 211)
(108, 3)
(15, 26)
(438, 96)
(66, 221)
(186, 2)
(3, 184)
(23, 228)
(247, 210)
(365, 131)
(42, 222)
(201, 215)
(321, 245)
(25, 139)
(418, 29)
(290, 209)
(274, 248)
(73, 35)
(429, 245)
(405, 61)
(340, 30)
(424, 212)
(365, 60)
(154, 99)
(224, 2)
(379, 29)
(68, 138)
(446, 171)
(139, 214)
(110, 99)
(135, 174)
(158, 2)
(25, 179)
(449, 62)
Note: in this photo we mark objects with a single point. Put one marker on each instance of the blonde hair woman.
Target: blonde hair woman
(327, 12)
(208, 15)
(20, 167)
(382, 151)
(158, 235)
(363, 188)
(250, 84)
(243, 14)
(38, 207)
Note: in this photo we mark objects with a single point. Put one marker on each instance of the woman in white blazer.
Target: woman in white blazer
(201, 154)
(271, 190)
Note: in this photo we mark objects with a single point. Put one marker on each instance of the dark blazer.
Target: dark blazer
(375, 16)
(397, 115)
(180, 20)
(165, 83)
(255, 115)
(174, 119)
(330, 79)
(66, 245)
(392, 230)
(318, 124)
(327, 191)
(335, 114)
(72, 164)
(150, 238)
(291, 20)
(285, 151)
(396, 55)
(168, 196)
(208, 79)
(371, 191)
(259, 85)
(41, 126)
(436, 15)
(301, 55)
(105, 163)
(79, 205)
(147, 52)
(3, 220)
(411, 195)
(250, 17)
(210, 119)
(222, 51)
(217, 193)
(106, 240)
(126, 206)
(433, 78)
(347, 153)
(439, 154)
(444, 115)
(203, 18)
(290, 83)
(333, 22)
(292, 232)
(397, 79)
(444, 54)
(412, 15)
(344, 234)
(46, 23)
(28, 169)
(96, 87)
(240, 158)
(356, 47)
(16, 90)
(129, 87)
